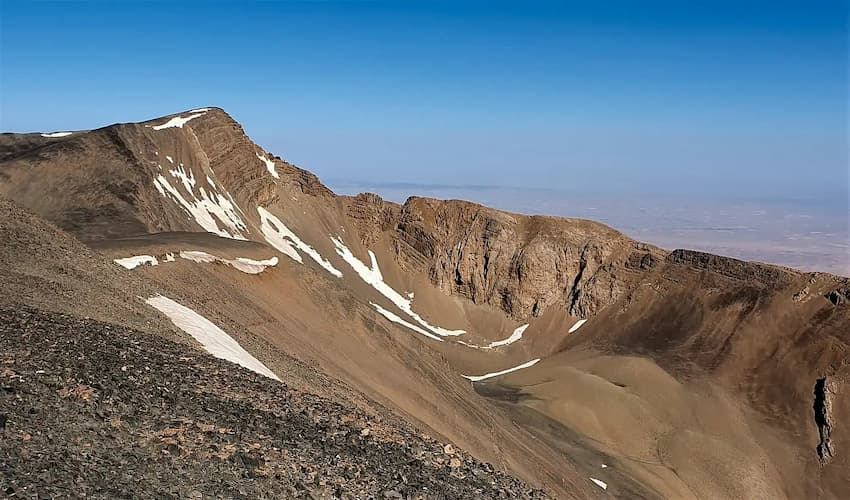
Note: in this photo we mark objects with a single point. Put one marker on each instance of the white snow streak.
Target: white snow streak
(248, 266)
(284, 240)
(269, 165)
(199, 110)
(136, 261)
(206, 209)
(170, 159)
(510, 340)
(373, 277)
(198, 256)
(601, 484)
(577, 325)
(57, 134)
(214, 339)
(178, 121)
(251, 266)
(187, 178)
(396, 319)
(476, 378)
(244, 264)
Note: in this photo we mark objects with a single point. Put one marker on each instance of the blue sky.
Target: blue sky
(711, 98)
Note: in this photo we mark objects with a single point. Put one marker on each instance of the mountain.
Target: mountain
(558, 350)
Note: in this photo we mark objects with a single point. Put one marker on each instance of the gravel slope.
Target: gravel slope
(98, 410)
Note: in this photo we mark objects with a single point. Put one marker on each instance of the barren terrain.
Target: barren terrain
(559, 350)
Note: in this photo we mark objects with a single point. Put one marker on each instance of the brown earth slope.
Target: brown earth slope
(99, 411)
(695, 376)
(113, 407)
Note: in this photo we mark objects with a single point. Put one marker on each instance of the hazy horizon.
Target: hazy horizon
(745, 98)
(801, 234)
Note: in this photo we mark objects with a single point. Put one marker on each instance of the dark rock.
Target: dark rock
(204, 428)
(839, 297)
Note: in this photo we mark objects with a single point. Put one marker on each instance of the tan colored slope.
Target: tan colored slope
(44, 267)
(309, 315)
(700, 384)
(694, 374)
(107, 184)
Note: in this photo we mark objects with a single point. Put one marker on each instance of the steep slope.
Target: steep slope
(517, 263)
(272, 318)
(91, 409)
(705, 381)
(113, 406)
(43, 267)
(687, 375)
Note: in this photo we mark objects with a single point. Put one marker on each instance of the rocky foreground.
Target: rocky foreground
(96, 410)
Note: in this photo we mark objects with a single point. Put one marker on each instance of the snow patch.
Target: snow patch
(269, 165)
(178, 121)
(396, 319)
(601, 484)
(169, 257)
(57, 134)
(187, 178)
(372, 276)
(476, 378)
(516, 335)
(170, 159)
(604, 466)
(136, 261)
(198, 256)
(214, 339)
(577, 325)
(285, 241)
(199, 110)
(470, 345)
(246, 265)
(206, 209)
(251, 266)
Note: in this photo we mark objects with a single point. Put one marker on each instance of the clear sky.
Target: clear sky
(695, 97)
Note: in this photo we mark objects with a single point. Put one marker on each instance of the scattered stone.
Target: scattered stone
(201, 429)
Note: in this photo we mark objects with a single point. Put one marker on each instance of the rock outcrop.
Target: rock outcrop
(517, 263)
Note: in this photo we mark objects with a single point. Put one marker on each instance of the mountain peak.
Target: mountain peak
(255, 254)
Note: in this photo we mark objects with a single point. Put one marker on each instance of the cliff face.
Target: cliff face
(519, 264)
